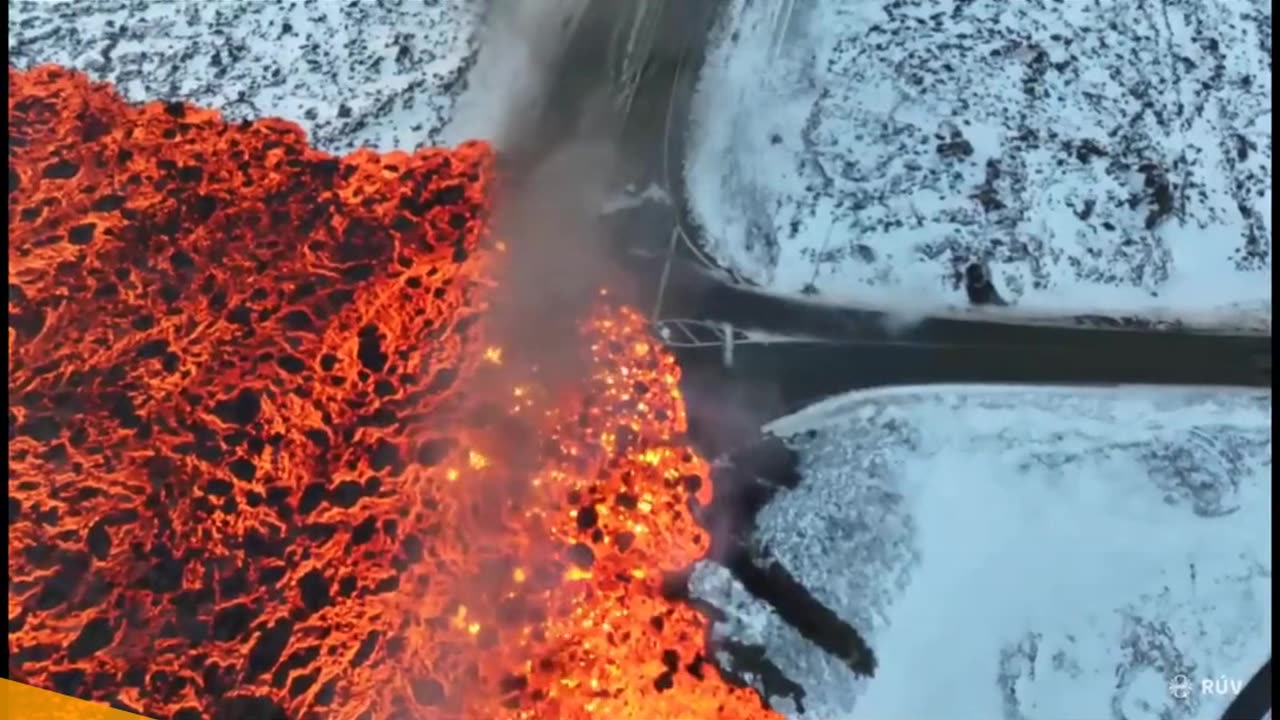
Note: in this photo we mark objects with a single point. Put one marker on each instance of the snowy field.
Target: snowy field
(1023, 553)
(385, 74)
(380, 74)
(1099, 157)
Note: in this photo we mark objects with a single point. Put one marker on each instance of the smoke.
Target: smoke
(552, 123)
(558, 255)
(550, 114)
(900, 323)
(725, 411)
(522, 42)
(558, 165)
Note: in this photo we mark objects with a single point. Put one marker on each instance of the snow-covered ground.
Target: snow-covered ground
(1100, 157)
(385, 75)
(390, 74)
(1023, 553)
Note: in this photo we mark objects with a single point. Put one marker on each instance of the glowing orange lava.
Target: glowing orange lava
(264, 463)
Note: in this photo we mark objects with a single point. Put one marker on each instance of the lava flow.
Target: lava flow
(265, 464)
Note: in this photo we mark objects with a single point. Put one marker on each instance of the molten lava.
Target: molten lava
(264, 462)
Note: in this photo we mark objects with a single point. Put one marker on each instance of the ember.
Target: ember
(258, 467)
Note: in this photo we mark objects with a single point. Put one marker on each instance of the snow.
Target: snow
(1022, 552)
(867, 152)
(384, 75)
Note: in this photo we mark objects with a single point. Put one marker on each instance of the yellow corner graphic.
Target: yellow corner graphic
(24, 702)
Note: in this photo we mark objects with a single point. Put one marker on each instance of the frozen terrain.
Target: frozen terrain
(380, 74)
(1098, 157)
(1022, 553)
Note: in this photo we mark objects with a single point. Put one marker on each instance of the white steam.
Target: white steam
(521, 45)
